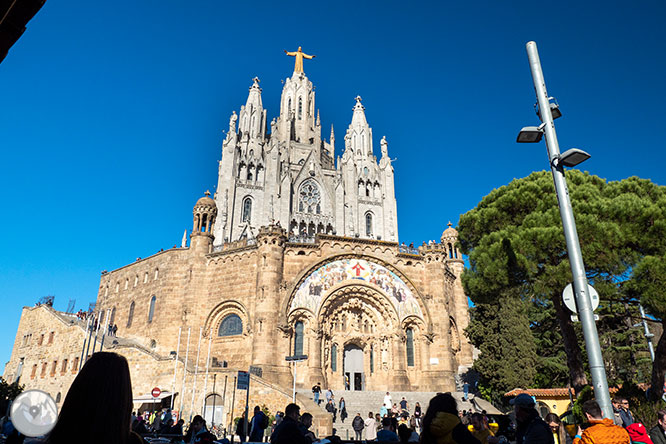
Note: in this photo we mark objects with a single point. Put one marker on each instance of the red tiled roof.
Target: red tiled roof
(548, 393)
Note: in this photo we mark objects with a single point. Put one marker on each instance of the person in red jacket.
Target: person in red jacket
(602, 430)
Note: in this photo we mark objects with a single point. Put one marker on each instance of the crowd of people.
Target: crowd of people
(107, 418)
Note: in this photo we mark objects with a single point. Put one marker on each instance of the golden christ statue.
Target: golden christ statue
(298, 65)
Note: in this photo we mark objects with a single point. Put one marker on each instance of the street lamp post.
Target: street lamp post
(557, 162)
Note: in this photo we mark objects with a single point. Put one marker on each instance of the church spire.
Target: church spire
(252, 113)
(359, 132)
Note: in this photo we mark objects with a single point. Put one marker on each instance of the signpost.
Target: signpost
(295, 359)
(155, 392)
(570, 300)
(243, 383)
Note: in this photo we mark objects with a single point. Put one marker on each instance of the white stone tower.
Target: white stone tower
(289, 176)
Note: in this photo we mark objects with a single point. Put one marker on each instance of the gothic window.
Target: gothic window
(247, 210)
(64, 366)
(130, 316)
(58, 396)
(151, 310)
(372, 359)
(334, 358)
(289, 107)
(145, 277)
(136, 280)
(34, 371)
(309, 200)
(367, 189)
(300, 108)
(365, 171)
(113, 315)
(126, 283)
(157, 274)
(230, 326)
(368, 224)
(410, 347)
(298, 338)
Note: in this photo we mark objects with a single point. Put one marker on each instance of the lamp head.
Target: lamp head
(573, 157)
(530, 134)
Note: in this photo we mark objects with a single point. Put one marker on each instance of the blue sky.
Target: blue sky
(111, 113)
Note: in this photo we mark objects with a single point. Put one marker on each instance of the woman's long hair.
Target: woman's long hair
(442, 402)
(98, 405)
(561, 431)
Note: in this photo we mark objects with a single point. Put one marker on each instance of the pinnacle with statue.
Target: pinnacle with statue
(299, 55)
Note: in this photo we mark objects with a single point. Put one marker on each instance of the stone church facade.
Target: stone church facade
(297, 254)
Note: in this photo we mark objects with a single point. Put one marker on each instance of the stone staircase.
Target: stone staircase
(371, 401)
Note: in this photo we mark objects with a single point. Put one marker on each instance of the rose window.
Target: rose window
(309, 199)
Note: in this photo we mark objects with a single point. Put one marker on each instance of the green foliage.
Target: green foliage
(516, 249)
(508, 359)
(577, 409)
(8, 392)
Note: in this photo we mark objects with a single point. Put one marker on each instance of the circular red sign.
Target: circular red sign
(156, 392)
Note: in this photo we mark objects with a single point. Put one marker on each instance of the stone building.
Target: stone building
(297, 255)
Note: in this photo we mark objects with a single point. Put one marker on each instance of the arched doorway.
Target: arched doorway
(213, 409)
(353, 367)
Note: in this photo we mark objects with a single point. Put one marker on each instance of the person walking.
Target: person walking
(404, 406)
(441, 423)
(658, 432)
(371, 427)
(288, 432)
(258, 425)
(388, 401)
(342, 408)
(601, 430)
(358, 425)
(418, 416)
(240, 427)
(317, 392)
(330, 407)
(531, 429)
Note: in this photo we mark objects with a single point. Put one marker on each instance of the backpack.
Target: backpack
(264, 422)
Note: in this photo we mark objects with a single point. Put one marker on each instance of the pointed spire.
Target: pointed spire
(183, 242)
(358, 119)
(318, 123)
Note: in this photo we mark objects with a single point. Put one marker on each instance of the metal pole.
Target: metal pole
(233, 400)
(99, 322)
(210, 338)
(581, 290)
(92, 327)
(187, 352)
(196, 373)
(224, 394)
(646, 330)
(83, 349)
(106, 329)
(175, 366)
(247, 409)
(293, 396)
(212, 419)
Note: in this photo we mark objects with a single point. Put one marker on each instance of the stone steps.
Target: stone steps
(371, 401)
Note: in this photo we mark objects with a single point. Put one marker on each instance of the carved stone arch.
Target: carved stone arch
(221, 311)
(293, 287)
(454, 335)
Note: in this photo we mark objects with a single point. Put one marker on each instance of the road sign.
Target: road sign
(243, 381)
(570, 300)
(256, 371)
(296, 358)
(156, 392)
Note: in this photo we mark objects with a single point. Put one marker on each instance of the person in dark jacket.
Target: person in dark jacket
(240, 427)
(304, 426)
(658, 432)
(441, 423)
(531, 429)
(358, 425)
(198, 433)
(259, 420)
(330, 407)
(288, 432)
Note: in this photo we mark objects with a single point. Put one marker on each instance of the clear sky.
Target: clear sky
(111, 113)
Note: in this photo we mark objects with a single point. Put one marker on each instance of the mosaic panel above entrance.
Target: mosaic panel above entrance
(315, 287)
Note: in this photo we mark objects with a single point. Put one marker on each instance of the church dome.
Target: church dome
(206, 201)
(450, 233)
